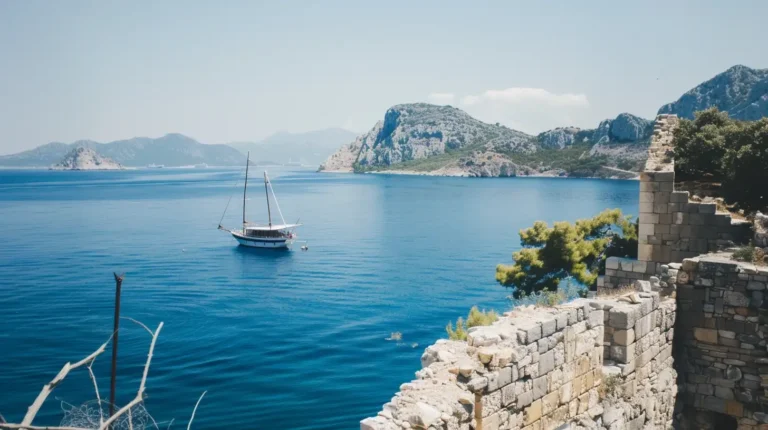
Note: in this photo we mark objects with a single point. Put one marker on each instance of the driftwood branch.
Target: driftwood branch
(140, 394)
(48, 388)
(189, 426)
(9, 426)
(88, 361)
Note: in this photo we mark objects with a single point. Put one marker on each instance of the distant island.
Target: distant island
(86, 159)
(178, 150)
(425, 139)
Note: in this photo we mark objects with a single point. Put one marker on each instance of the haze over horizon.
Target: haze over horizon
(244, 70)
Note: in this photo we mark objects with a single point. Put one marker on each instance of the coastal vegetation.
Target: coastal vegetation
(717, 148)
(475, 318)
(567, 250)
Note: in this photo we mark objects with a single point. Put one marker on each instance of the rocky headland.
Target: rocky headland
(86, 159)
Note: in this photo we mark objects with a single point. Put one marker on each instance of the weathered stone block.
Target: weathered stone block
(533, 412)
(550, 402)
(623, 317)
(540, 387)
(546, 362)
(705, 335)
(548, 327)
(624, 337)
(623, 353)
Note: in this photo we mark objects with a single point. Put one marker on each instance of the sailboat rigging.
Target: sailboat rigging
(275, 236)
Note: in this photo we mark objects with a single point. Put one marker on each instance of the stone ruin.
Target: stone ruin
(614, 362)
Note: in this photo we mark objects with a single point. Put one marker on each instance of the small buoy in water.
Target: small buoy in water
(304, 247)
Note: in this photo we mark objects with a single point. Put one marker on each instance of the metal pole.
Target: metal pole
(118, 287)
(245, 187)
(266, 191)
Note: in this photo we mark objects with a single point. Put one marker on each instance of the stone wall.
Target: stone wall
(721, 346)
(595, 363)
(671, 227)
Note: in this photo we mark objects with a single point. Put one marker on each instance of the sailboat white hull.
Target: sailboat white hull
(260, 242)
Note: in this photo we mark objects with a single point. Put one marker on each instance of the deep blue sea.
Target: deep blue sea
(280, 340)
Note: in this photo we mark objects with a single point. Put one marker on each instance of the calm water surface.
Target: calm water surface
(291, 340)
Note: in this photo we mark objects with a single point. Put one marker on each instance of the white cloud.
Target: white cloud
(520, 95)
(532, 110)
(441, 98)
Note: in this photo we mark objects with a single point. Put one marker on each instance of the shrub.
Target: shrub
(717, 147)
(750, 254)
(475, 318)
(610, 386)
(566, 250)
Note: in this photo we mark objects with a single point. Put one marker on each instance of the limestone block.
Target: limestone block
(533, 412)
(623, 353)
(546, 362)
(734, 298)
(644, 252)
(612, 263)
(679, 197)
(705, 335)
(623, 317)
(649, 186)
(550, 402)
(595, 319)
(624, 337)
(540, 387)
(680, 218)
(645, 208)
(667, 186)
(646, 196)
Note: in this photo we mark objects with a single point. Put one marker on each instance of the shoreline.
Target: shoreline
(462, 175)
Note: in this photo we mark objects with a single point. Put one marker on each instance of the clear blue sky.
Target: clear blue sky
(226, 70)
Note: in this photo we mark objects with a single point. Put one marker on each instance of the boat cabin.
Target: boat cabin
(280, 231)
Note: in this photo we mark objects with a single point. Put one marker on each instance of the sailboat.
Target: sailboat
(274, 236)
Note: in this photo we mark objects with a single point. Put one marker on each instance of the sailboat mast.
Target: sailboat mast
(266, 191)
(245, 187)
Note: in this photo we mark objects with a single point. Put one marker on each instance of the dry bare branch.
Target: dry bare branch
(140, 394)
(47, 389)
(96, 389)
(139, 323)
(8, 426)
(189, 426)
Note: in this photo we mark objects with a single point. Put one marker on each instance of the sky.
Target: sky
(241, 70)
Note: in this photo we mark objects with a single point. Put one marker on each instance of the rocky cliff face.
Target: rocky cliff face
(558, 138)
(740, 91)
(85, 159)
(418, 131)
(442, 140)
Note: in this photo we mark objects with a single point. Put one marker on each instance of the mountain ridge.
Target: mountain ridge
(415, 139)
(172, 149)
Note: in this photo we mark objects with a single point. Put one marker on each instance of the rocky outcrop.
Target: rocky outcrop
(418, 131)
(558, 138)
(740, 91)
(86, 159)
(624, 128)
(467, 147)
